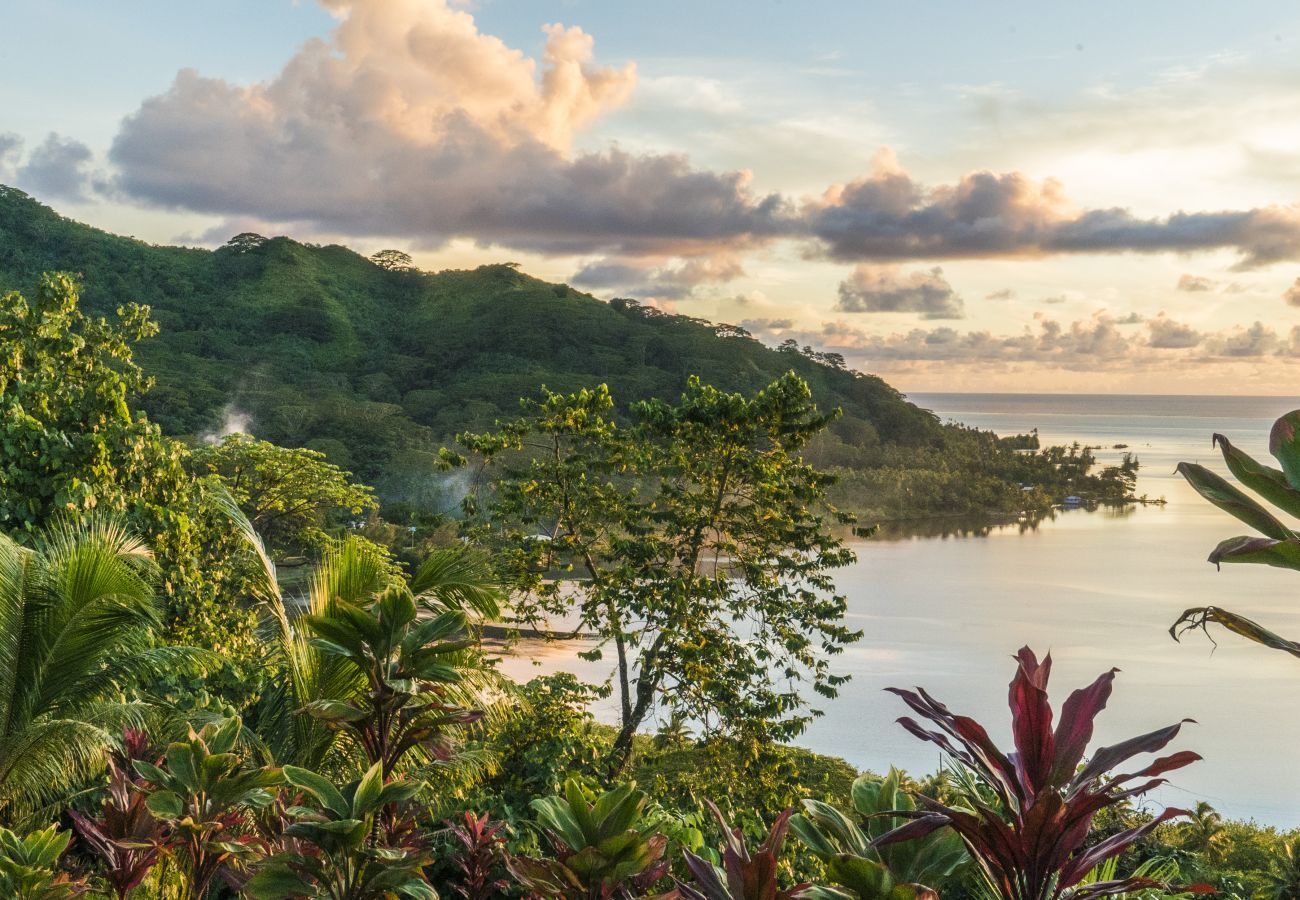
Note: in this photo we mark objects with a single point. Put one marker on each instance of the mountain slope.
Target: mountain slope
(321, 347)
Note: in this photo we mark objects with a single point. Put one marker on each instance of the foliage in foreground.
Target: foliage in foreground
(1028, 826)
(1279, 545)
(702, 542)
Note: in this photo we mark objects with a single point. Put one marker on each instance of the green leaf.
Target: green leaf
(275, 881)
(165, 805)
(1217, 490)
(1284, 444)
(319, 787)
(1269, 483)
(1246, 549)
(368, 791)
(334, 711)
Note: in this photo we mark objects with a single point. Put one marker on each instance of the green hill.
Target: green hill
(318, 346)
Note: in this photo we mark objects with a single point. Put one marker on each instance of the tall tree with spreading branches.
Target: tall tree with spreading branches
(693, 541)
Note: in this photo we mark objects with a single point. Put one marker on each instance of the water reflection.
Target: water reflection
(981, 526)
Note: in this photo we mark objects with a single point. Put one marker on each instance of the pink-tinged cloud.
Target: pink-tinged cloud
(889, 216)
(1082, 345)
(1292, 294)
(885, 288)
(409, 122)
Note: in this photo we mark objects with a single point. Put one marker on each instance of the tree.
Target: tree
(695, 541)
(289, 495)
(393, 261)
(68, 441)
(70, 445)
(77, 616)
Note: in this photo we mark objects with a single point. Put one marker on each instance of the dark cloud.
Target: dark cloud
(1130, 319)
(664, 282)
(58, 169)
(1165, 333)
(889, 216)
(886, 289)
(767, 325)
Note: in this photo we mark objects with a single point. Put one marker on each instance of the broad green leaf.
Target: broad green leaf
(275, 881)
(1217, 490)
(1269, 483)
(319, 787)
(1284, 444)
(165, 804)
(1246, 549)
(368, 791)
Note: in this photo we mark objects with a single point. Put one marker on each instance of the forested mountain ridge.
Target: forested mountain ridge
(273, 323)
(378, 365)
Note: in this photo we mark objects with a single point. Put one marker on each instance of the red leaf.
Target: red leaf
(1075, 730)
(1031, 722)
(1107, 758)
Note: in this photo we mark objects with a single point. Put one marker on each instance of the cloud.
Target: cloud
(1055, 299)
(1292, 294)
(888, 216)
(11, 146)
(1132, 318)
(767, 325)
(886, 289)
(410, 122)
(1246, 342)
(58, 168)
(1165, 333)
(1195, 283)
(666, 281)
(1004, 294)
(1093, 344)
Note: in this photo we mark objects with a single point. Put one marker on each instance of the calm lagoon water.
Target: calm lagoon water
(1097, 589)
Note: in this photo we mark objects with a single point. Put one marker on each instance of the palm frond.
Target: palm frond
(458, 578)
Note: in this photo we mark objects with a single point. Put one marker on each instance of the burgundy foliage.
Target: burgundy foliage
(126, 837)
(745, 874)
(479, 856)
(1032, 844)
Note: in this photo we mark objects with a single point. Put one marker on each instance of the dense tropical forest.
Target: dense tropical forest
(376, 365)
(226, 671)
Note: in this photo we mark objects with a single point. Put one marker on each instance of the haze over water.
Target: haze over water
(1098, 589)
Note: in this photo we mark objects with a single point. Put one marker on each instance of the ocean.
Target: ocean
(1095, 588)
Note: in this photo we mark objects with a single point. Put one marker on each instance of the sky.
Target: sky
(1091, 198)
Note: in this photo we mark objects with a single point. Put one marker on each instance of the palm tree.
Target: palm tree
(1204, 827)
(77, 620)
(354, 574)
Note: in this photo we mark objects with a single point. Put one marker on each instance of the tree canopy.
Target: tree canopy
(695, 542)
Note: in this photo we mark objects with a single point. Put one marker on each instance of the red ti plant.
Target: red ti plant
(1031, 843)
(745, 874)
(479, 857)
(126, 837)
